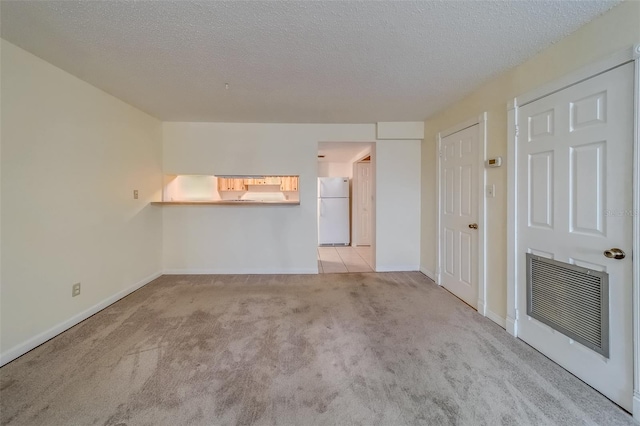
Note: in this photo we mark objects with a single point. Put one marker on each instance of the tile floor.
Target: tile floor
(332, 260)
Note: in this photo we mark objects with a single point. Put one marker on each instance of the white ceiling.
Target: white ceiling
(341, 152)
(323, 62)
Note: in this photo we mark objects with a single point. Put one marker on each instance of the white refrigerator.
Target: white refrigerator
(333, 211)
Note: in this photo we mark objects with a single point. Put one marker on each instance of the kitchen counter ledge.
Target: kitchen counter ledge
(225, 203)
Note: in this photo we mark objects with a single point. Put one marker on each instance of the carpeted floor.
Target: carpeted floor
(337, 349)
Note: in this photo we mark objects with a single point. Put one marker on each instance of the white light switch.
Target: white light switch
(491, 191)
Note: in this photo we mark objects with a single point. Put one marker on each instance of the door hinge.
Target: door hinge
(517, 130)
(517, 315)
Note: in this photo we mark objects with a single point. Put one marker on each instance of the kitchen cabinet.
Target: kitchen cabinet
(289, 183)
(267, 180)
(230, 184)
(286, 183)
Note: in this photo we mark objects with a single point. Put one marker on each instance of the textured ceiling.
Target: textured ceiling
(322, 62)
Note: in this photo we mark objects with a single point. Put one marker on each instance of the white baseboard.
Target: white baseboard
(636, 407)
(429, 273)
(39, 339)
(240, 271)
(512, 327)
(482, 308)
(496, 318)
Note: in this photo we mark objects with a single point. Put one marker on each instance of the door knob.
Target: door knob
(614, 253)
(473, 225)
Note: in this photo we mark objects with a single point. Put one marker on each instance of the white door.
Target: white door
(363, 204)
(574, 154)
(459, 214)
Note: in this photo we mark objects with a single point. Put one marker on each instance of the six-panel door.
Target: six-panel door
(574, 153)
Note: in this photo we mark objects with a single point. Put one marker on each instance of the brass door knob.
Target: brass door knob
(614, 253)
(473, 225)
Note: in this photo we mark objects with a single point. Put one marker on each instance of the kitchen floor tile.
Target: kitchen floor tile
(333, 267)
(344, 259)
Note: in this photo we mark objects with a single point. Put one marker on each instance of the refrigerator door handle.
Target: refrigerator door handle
(321, 207)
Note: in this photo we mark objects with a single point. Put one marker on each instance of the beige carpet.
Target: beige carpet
(343, 349)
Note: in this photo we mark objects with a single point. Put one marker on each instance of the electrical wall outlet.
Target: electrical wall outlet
(75, 290)
(135, 194)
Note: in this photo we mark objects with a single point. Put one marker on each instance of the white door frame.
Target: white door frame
(629, 55)
(481, 121)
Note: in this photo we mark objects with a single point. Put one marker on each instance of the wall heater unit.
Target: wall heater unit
(570, 299)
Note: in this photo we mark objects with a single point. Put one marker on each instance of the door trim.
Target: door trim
(636, 238)
(481, 121)
(631, 54)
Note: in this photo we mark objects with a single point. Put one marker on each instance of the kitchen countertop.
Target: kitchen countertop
(225, 203)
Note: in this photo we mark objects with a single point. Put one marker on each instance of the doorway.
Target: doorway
(339, 162)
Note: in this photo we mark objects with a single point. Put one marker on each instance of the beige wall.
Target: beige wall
(246, 239)
(279, 239)
(397, 196)
(71, 157)
(616, 30)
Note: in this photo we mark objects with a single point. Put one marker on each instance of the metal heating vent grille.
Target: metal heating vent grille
(570, 299)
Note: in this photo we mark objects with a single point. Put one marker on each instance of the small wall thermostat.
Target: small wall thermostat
(494, 162)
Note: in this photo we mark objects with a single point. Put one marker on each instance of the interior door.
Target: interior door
(363, 203)
(459, 214)
(574, 153)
